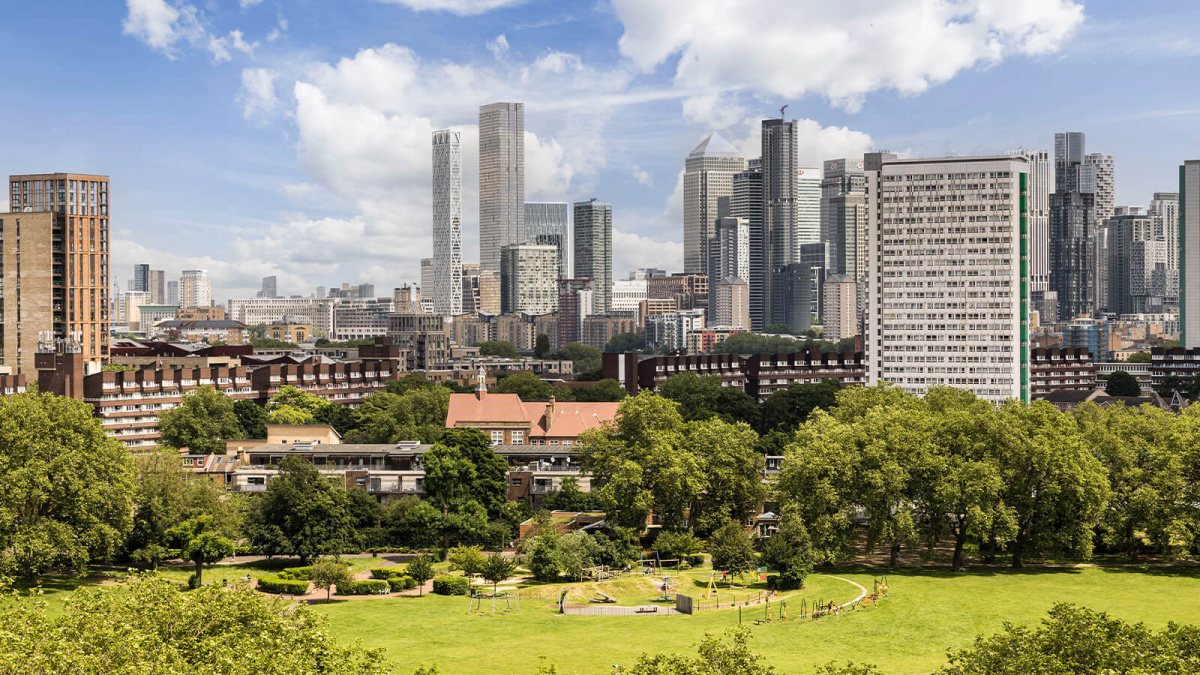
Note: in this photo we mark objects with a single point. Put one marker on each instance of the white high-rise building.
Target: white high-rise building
(1103, 175)
(447, 223)
(529, 278)
(707, 176)
(550, 223)
(427, 276)
(501, 180)
(1164, 219)
(1189, 254)
(808, 209)
(1041, 185)
(730, 303)
(729, 251)
(173, 293)
(195, 289)
(628, 294)
(315, 311)
(948, 300)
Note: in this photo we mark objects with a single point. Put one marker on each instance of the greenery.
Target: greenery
(329, 572)
(469, 559)
(626, 342)
(401, 583)
(272, 343)
(586, 360)
(364, 587)
(1138, 357)
(252, 418)
(496, 569)
(275, 584)
(199, 541)
(732, 550)
(603, 391)
(703, 396)
(66, 488)
(787, 409)
(789, 552)
(117, 368)
(1121, 383)
(541, 346)
(421, 570)
(448, 585)
(326, 343)
(714, 657)
(151, 627)
(498, 348)
(300, 514)
(753, 343)
(201, 422)
(1188, 388)
(527, 385)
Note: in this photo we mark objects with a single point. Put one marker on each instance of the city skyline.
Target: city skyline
(287, 106)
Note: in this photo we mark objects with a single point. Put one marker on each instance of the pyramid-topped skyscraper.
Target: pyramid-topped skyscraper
(707, 176)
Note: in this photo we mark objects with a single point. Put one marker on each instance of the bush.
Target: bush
(245, 550)
(696, 559)
(297, 573)
(275, 584)
(401, 583)
(447, 585)
(193, 581)
(386, 573)
(365, 587)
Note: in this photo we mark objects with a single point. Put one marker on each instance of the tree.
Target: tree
(301, 514)
(1121, 383)
(789, 551)
(1138, 357)
(527, 385)
(585, 359)
(1188, 388)
(703, 396)
(328, 572)
(891, 441)
(201, 422)
(603, 391)
(498, 348)
(626, 342)
(780, 329)
(577, 551)
(165, 497)
(421, 570)
(714, 657)
(199, 542)
(543, 559)
(407, 383)
(66, 488)
(417, 414)
(469, 559)
(413, 521)
(291, 416)
(252, 418)
(541, 346)
(732, 550)
(338, 416)
(787, 409)
(733, 470)
(570, 498)
(1079, 640)
(677, 545)
(148, 626)
(496, 568)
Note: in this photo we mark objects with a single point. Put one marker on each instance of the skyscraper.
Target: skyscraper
(1041, 184)
(195, 289)
(1073, 229)
(156, 280)
(707, 176)
(808, 209)
(844, 216)
(529, 278)
(141, 280)
(593, 250)
(550, 223)
(270, 287)
(1189, 254)
(173, 293)
(501, 180)
(447, 223)
(54, 267)
(729, 252)
(926, 216)
(747, 204)
(779, 190)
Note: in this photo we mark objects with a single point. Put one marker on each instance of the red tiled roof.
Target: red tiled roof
(570, 419)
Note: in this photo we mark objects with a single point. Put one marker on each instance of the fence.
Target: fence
(685, 604)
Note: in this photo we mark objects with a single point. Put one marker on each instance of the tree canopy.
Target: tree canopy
(499, 348)
(201, 422)
(301, 514)
(1121, 383)
(527, 385)
(626, 342)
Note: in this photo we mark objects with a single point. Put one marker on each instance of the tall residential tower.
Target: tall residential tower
(593, 250)
(447, 223)
(501, 180)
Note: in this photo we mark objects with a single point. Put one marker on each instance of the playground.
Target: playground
(925, 612)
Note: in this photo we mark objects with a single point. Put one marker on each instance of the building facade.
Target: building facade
(730, 303)
(707, 177)
(529, 278)
(628, 294)
(1054, 369)
(779, 203)
(195, 289)
(254, 311)
(1189, 254)
(840, 311)
(729, 251)
(422, 337)
(501, 180)
(747, 204)
(447, 223)
(550, 223)
(593, 250)
(844, 216)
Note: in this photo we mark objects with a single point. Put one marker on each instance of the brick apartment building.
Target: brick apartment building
(1065, 369)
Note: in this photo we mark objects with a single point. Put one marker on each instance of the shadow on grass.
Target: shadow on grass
(946, 572)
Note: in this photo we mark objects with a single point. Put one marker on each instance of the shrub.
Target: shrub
(193, 581)
(696, 560)
(386, 573)
(274, 584)
(297, 573)
(365, 587)
(447, 585)
(402, 583)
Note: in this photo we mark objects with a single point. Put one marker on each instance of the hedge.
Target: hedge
(447, 585)
(365, 587)
(386, 573)
(297, 573)
(402, 583)
(274, 584)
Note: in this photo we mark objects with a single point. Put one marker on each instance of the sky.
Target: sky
(293, 137)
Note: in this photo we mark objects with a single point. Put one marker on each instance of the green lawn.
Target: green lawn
(213, 574)
(927, 612)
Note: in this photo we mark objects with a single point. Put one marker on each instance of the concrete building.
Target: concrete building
(628, 294)
(1074, 225)
(707, 177)
(730, 303)
(173, 293)
(423, 337)
(729, 251)
(129, 309)
(488, 287)
(597, 329)
(1164, 220)
(793, 297)
(153, 314)
(195, 289)
(290, 332)
(593, 250)
(780, 192)
(140, 282)
(747, 204)
(816, 257)
(317, 312)
(840, 311)
(215, 313)
(671, 329)
(447, 223)
(689, 291)
(361, 319)
(218, 331)
(156, 286)
(1140, 278)
(1041, 185)
(931, 241)
(575, 302)
(1088, 334)
(1189, 254)
(270, 287)
(1054, 369)
(529, 278)
(427, 275)
(501, 180)
(550, 223)
(808, 209)
(705, 339)
(844, 216)
(54, 267)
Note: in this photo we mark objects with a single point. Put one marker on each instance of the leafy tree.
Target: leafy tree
(252, 418)
(543, 559)
(66, 488)
(469, 559)
(577, 551)
(571, 498)
(1188, 388)
(527, 385)
(289, 415)
(407, 383)
(272, 343)
(789, 551)
(338, 416)
(417, 414)
(1121, 383)
(198, 541)
(328, 572)
(733, 470)
(603, 391)
(583, 357)
(732, 550)
(787, 409)
(413, 521)
(626, 342)
(258, 330)
(496, 568)
(714, 657)
(677, 545)
(703, 396)
(164, 498)
(363, 508)
(301, 514)
(498, 348)
(891, 441)
(201, 422)
(1138, 357)
(1078, 640)
(148, 626)
(541, 346)
(780, 329)
(421, 570)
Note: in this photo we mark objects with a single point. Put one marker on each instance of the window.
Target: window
(518, 438)
(497, 437)
(516, 482)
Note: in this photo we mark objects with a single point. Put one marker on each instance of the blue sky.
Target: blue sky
(291, 137)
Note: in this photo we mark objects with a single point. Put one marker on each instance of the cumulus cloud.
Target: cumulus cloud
(249, 3)
(258, 92)
(162, 25)
(632, 250)
(642, 176)
(219, 46)
(810, 46)
(558, 62)
(814, 145)
(460, 7)
(499, 47)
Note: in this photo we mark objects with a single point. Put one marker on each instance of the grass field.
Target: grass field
(926, 613)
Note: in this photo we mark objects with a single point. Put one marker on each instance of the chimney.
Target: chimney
(550, 414)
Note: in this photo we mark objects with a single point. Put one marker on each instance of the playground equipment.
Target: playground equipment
(562, 600)
(512, 602)
(712, 586)
(599, 573)
(602, 597)
(653, 565)
(881, 586)
(666, 588)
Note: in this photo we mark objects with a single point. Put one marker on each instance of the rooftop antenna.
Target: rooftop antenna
(785, 105)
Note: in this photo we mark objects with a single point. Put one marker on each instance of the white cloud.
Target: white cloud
(249, 3)
(714, 110)
(460, 7)
(258, 92)
(642, 176)
(499, 47)
(219, 46)
(558, 62)
(162, 25)
(632, 250)
(793, 48)
(815, 143)
(279, 29)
